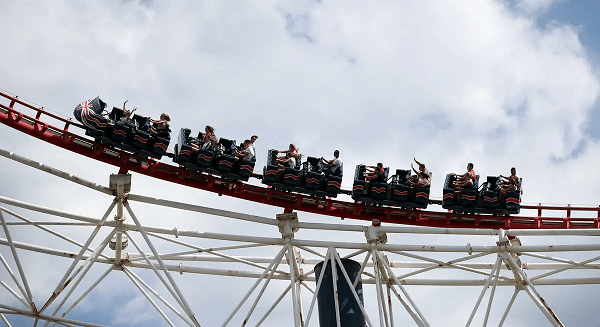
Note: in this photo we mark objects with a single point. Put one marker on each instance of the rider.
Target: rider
(466, 179)
(422, 177)
(333, 165)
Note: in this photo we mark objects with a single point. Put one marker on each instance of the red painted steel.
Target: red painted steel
(62, 137)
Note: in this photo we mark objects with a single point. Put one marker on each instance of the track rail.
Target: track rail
(38, 126)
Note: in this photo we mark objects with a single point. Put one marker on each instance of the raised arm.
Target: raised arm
(413, 168)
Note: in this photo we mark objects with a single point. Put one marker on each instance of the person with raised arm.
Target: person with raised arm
(422, 177)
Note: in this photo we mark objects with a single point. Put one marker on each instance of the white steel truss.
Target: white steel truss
(277, 267)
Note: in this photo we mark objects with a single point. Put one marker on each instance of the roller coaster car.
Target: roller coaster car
(310, 177)
(481, 199)
(464, 201)
(133, 136)
(395, 191)
(492, 202)
(219, 160)
(320, 179)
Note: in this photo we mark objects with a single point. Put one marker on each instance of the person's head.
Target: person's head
(470, 166)
(336, 153)
(165, 116)
(379, 165)
(247, 142)
(513, 171)
(293, 147)
(209, 129)
(253, 138)
(422, 167)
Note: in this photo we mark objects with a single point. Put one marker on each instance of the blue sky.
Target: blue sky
(583, 15)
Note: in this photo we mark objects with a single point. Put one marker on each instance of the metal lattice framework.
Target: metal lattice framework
(278, 272)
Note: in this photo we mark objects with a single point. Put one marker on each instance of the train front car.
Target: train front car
(90, 114)
(131, 135)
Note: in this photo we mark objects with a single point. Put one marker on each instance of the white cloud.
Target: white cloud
(534, 6)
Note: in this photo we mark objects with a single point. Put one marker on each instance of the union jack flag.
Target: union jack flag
(89, 113)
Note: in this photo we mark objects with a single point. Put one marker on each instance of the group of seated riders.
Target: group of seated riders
(289, 159)
(506, 184)
(375, 174)
(157, 127)
(246, 150)
(209, 141)
(422, 177)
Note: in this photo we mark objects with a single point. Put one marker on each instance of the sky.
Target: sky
(496, 83)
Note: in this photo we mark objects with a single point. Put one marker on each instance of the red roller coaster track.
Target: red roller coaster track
(37, 127)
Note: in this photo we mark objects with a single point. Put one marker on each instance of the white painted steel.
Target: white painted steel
(147, 296)
(14, 278)
(83, 269)
(352, 285)
(15, 294)
(386, 272)
(18, 262)
(40, 226)
(133, 276)
(336, 297)
(184, 303)
(412, 309)
(510, 303)
(76, 302)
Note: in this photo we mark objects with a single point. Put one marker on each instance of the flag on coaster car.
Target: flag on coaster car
(89, 113)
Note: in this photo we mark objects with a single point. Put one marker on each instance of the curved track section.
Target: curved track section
(59, 131)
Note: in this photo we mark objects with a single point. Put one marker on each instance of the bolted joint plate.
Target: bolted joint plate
(373, 234)
(288, 223)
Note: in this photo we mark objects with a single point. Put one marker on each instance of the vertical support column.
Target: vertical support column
(120, 185)
(374, 236)
(288, 225)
